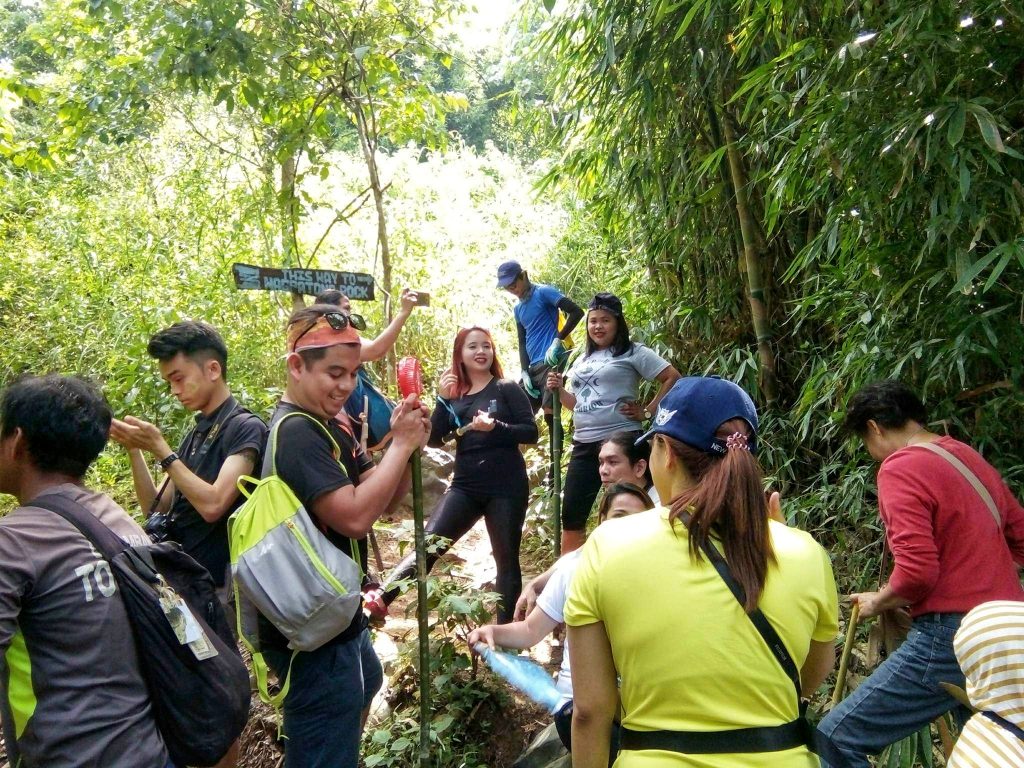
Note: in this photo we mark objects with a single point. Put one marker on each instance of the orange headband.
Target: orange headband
(319, 335)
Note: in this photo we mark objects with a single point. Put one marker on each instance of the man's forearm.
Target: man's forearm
(352, 510)
(145, 488)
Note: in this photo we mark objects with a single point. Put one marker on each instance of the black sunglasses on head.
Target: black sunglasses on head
(339, 321)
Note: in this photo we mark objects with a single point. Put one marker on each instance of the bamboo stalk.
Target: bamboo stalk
(556, 468)
(421, 608)
(844, 661)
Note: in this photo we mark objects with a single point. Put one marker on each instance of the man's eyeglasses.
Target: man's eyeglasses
(339, 321)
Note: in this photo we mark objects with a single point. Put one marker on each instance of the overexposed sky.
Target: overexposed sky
(481, 26)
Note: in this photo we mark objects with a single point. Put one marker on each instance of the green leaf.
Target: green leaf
(965, 179)
(989, 129)
(975, 269)
(442, 723)
(360, 52)
(908, 751)
(924, 742)
(955, 127)
(400, 744)
(549, 5)
(894, 755)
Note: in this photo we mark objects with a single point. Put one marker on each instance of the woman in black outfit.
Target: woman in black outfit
(495, 417)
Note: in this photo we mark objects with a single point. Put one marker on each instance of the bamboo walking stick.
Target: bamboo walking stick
(410, 383)
(556, 465)
(844, 661)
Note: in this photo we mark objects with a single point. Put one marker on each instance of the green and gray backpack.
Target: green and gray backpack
(286, 569)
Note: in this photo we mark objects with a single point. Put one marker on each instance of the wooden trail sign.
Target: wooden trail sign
(356, 285)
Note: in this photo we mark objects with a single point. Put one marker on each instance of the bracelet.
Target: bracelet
(169, 459)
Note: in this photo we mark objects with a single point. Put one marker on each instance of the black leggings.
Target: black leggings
(582, 484)
(456, 513)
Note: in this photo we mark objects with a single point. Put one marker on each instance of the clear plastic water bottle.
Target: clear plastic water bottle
(524, 675)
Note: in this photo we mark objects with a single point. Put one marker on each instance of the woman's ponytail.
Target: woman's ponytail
(728, 501)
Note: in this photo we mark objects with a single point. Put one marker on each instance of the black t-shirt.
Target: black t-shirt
(489, 463)
(306, 462)
(227, 431)
(304, 459)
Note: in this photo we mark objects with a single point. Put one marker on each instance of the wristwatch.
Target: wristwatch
(169, 459)
(647, 415)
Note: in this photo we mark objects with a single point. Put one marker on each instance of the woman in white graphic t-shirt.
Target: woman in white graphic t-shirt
(603, 388)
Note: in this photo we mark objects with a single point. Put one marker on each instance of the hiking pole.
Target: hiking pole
(410, 382)
(844, 661)
(364, 441)
(556, 464)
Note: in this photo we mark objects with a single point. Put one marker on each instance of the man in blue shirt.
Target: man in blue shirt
(541, 341)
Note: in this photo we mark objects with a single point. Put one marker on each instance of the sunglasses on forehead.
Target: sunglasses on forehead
(339, 321)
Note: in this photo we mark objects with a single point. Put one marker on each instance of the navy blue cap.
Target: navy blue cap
(696, 407)
(508, 272)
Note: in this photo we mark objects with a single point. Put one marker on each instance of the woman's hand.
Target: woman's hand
(631, 409)
(484, 634)
(554, 381)
(446, 386)
(526, 601)
(482, 422)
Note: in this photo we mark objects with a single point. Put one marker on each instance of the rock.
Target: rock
(438, 466)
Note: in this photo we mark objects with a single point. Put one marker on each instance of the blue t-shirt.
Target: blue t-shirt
(538, 314)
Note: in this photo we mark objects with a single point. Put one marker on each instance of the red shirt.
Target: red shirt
(948, 552)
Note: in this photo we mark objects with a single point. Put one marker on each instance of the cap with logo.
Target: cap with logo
(696, 407)
(508, 272)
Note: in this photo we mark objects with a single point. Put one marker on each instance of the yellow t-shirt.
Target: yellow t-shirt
(688, 657)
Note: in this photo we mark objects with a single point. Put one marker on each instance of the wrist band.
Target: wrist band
(168, 460)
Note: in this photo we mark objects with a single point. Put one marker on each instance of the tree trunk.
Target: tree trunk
(368, 143)
(753, 254)
(288, 216)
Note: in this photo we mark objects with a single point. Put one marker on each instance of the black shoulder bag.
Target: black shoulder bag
(199, 690)
(774, 738)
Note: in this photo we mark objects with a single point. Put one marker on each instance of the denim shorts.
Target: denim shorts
(328, 690)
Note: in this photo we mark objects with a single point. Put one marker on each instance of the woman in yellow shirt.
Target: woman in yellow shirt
(646, 605)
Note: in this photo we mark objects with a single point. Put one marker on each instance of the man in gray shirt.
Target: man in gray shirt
(71, 691)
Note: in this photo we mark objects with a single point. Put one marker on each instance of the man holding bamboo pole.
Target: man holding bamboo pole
(331, 688)
(957, 537)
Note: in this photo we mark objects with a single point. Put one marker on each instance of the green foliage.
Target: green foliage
(458, 696)
(880, 147)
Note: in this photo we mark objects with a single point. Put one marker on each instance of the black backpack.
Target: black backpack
(200, 706)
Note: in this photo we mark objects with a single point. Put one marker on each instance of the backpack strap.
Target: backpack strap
(1004, 723)
(973, 479)
(271, 457)
(108, 543)
(757, 618)
(270, 460)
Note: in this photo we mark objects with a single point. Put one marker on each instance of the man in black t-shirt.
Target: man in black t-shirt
(201, 490)
(330, 689)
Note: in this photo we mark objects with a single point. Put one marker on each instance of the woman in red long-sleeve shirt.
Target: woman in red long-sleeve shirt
(953, 549)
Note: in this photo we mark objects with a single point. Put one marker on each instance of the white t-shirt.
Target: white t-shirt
(552, 601)
(602, 383)
(653, 493)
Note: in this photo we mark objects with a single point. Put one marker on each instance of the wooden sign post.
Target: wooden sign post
(356, 285)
